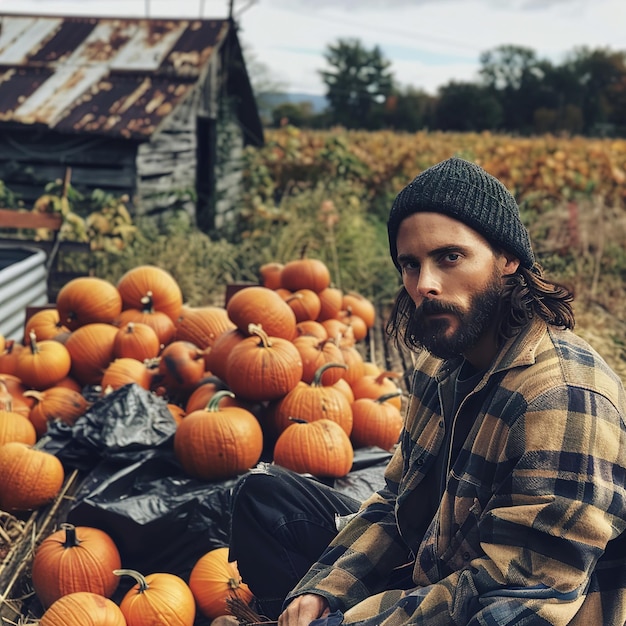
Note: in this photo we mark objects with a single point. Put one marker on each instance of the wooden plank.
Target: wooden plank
(14, 218)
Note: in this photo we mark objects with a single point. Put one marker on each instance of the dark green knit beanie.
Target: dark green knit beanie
(466, 192)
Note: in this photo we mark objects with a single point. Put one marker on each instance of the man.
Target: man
(504, 501)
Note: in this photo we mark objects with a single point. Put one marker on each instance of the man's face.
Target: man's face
(455, 280)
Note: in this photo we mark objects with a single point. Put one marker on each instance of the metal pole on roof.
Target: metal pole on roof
(147, 8)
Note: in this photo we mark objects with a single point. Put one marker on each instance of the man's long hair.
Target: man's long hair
(526, 294)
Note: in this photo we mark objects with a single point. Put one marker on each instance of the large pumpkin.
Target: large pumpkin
(320, 448)
(88, 300)
(159, 598)
(149, 280)
(46, 324)
(316, 353)
(214, 580)
(136, 340)
(75, 558)
(16, 427)
(263, 368)
(218, 442)
(83, 608)
(30, 477)
(305, 273)
(376, 385)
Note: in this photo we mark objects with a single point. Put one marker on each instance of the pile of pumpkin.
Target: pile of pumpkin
(76, 572)
(278, 367)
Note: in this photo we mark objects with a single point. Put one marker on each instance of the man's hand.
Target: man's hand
(303, 610)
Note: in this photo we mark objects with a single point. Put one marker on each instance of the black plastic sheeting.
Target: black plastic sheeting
(134, 489)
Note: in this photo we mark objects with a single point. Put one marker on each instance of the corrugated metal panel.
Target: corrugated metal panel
(22, 283)
(101, 75)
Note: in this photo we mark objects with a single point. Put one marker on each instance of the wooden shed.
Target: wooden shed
(157, 109)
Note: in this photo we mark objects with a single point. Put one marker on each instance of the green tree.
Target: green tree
(409, 109)
(358, 84)
(467, 107)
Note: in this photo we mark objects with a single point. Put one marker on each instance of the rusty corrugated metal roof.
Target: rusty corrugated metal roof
(101, 75)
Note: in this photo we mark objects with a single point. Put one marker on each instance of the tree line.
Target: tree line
(515, 92)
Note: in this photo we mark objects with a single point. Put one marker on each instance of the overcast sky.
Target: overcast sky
(428, 42)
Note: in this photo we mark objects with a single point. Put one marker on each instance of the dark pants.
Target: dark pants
(281, 523)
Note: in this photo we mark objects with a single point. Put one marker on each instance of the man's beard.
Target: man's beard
(473, 323)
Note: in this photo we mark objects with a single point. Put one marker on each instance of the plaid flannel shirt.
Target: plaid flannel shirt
(530, 529)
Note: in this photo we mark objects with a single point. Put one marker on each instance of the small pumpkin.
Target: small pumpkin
(159, 598)
(310, 402)
(218, 442)
(375, 385)
(331, 300)
(376, 422)
(75, 558)
(16, 427)
(263, 368)
(321, 448)
(46, 324)
(43, 364)
(60, 403)
(202, 325)
(30, 477)
(83, 608)
(136, 340)
(305, 304)
(359, 305)
(213, 580)
(269, 274)
(162, 324)
(263, 307)
(181, 366)
(8, 357)
(125, 371)
(314, 354)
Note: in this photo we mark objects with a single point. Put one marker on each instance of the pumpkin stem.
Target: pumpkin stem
(213, 404)
(33, 342)
(71, 540)
(388, 396)
(297, 420)
(6, 399)
(147, 303)
(257, 329)
(317, 377)
(140, 579)
(380, 378)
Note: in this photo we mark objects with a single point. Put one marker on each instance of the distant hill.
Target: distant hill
(268, 101)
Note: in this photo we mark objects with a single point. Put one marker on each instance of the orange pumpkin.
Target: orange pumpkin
(213, 580)
(8, 357)
(159, 598)
(91, 350)
(13, 395)
(155, 283)
(75, 558)
(270, 274)
(56, 403)
(305, 304)
(314, 354)
(263, 368)
(202, 325)
(376, 385)
(136, 340)
(30, 477)
(305, 273)
(83, 608)
(218, 442)
(321, 448)
(125, 371)
(16, 427)
(263, 307)
(358, 304)
(331, 300)
(312, 328)
(46, 324)
(216, 357)
(376, 422)
(43, 364)
(88, 300)
(181, 366)
(310, 402)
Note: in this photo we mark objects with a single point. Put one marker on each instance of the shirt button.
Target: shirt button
(466, 556)
(420, 461)
(441, 424)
